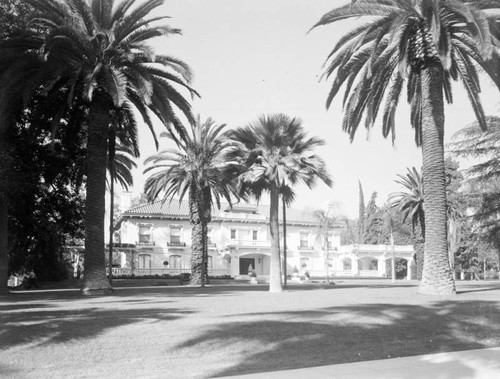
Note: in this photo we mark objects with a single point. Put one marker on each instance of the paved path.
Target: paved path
(480, 364)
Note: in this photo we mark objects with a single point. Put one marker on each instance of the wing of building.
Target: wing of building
(239, 241)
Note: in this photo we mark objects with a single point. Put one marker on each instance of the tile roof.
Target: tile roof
(176, 208)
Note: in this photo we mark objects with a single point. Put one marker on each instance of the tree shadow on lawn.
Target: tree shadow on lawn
(333, 335)
(61, 325)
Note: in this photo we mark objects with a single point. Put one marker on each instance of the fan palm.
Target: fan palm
(100, 50)
(275, 153)
(427, 43)
(199, 168)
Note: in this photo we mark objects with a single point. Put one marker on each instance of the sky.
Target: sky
(253, 57)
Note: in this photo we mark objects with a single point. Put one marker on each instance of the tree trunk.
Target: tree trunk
(284, 245)
(95, 280)
(197, 250)
(197, 277)
(4, 253)
(437, 276)
(4, 246)
(275, 270)
(111, 161)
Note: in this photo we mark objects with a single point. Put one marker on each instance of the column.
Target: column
(381, 267)
(408, 268)
(235, 265)
(354, 268)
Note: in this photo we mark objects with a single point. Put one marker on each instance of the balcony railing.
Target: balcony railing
(300, 247)
(176, 244)
(249, 243)
(146, 243)
(118, 272)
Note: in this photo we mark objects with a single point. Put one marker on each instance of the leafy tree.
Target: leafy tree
(427, 43)
(482, 182)
(12, 20)
(361, 215)
(45, 200)
(97, 50)
(274, 152)
(326, 223)
(374, 222)
(199, 168)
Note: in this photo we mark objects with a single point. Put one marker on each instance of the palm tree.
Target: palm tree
(199, 168)
(99, 50)
(411, 202)
(411, 205)
(120, 165)
(274, 152)
(427, 43)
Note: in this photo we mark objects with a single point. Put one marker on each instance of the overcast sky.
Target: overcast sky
(255, 56)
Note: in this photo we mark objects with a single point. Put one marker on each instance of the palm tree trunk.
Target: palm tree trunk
(111, 161)
(437, 277)
(95, 281)
(197, 277)
(275, 271)
(197, 251)
(4, 246)
(284, 244)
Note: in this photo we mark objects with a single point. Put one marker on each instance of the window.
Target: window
(210, 262)
(233, 234)
(175, 235)
(145, 234)
(329, 242)
(368, 263)
(175, 261)
(304, 238)
(254, 235)
(346, 264)
(144, 261)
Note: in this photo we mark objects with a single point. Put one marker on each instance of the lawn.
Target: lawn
(177, 332)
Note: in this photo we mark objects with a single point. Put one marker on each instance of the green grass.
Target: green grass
(171, 332)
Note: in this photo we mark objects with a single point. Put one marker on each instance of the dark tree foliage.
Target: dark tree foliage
(48, 170)
(13, 14)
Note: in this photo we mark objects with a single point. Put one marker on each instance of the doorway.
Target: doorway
(245, 263)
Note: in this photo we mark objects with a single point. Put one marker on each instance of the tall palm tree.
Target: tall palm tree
(274, 152)
(427, 43)
(100, 50)
(199, 168)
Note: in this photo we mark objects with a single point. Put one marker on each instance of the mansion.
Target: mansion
(239, 241)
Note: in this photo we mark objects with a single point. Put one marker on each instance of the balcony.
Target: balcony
(145, 243)
(176, 244)
(305, 248)
(249, 243)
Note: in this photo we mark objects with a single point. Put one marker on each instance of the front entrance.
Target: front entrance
(245, 263)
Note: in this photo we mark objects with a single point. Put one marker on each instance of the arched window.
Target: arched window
(367, 263)
(144, 261)
(346, 264)
(175, 261)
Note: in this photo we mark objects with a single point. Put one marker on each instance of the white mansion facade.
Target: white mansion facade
(238, 237)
